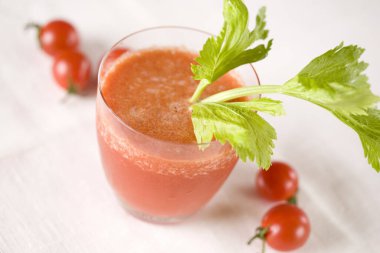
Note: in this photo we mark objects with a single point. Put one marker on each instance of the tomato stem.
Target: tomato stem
(252, 239)
(32, 25)
(38, 28)
(71, 88)
(260, 233)
(293, 200)
(263, 246)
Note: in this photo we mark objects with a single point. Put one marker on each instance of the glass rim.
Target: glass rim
(124, 124)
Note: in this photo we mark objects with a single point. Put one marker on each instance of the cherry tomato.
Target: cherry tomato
(288, 227)
(72, 71)
(56, 36)
(110, 60)
(280, 182)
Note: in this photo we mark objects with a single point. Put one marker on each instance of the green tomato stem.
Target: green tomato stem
(33, 26)
(36, 27)
(293, 200)
(242, 92)
(260, 233)
(263, 246)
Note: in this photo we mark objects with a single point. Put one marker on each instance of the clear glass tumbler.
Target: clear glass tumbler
(156, 180)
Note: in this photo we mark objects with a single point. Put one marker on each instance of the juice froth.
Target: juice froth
(149, 90)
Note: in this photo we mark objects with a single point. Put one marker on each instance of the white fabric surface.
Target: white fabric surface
(54, 196)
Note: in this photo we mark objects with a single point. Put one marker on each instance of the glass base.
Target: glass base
(153, 218)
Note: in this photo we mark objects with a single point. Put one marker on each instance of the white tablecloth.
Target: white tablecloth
(54, 196)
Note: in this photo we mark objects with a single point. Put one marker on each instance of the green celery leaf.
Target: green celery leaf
(368, 128)
(336, 82)
(238, 124)
(230, 48)
(339, 65)
(259, 32)
(248, 56)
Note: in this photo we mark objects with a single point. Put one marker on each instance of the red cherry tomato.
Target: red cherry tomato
(56, 36)
(110, 60)
(72, 71)
(288, 227)
(280, 182)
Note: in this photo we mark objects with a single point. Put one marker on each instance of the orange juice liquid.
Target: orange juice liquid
(149, 150)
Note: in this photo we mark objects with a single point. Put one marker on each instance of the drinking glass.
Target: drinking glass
(156, 180)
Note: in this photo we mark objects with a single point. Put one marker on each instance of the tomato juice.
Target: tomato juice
(146, 137)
